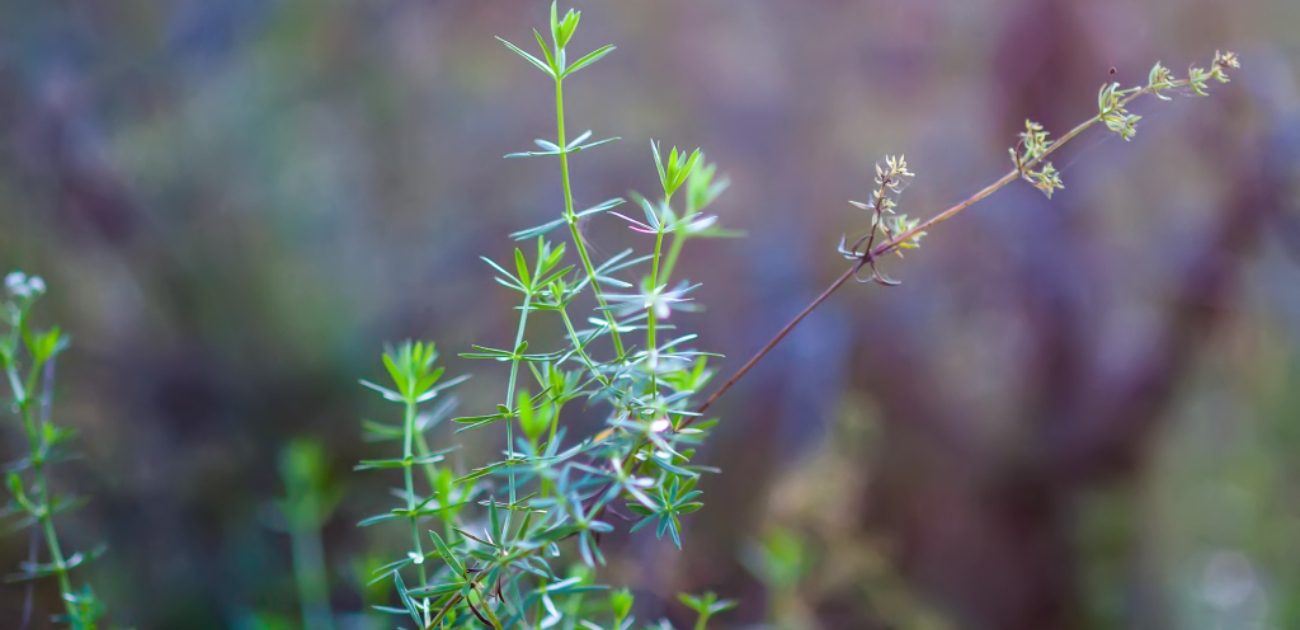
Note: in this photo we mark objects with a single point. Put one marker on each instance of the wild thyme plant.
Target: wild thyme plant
(514, 542)
(27, 357)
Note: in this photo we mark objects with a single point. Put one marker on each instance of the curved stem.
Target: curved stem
(895, 243)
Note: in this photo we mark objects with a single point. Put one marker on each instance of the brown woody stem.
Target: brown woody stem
(891, 245)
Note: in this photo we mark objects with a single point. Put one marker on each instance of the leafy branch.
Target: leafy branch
(27, 358)
(520, 536)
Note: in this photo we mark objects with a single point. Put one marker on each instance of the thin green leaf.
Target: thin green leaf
(528, 57)
(448, 556)
(588, 59)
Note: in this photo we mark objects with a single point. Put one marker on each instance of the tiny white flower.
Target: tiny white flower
(15, 281)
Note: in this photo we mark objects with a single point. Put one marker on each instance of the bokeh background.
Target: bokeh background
(1076, 413)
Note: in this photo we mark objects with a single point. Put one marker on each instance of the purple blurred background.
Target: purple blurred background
(1076, 413)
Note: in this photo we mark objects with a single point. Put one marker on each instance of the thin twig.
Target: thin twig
(873, 254)
(780, 335)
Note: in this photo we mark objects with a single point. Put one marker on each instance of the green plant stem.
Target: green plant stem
(651, 343)
(422, 449)
(572, 219)
(675, 248)
(52, 538)
(408, 454)
(702, 622)
(510, 386)
(38, 448)
(555, 427)
(431, 476)
(56, 553)
(674, 251)
(485, 609)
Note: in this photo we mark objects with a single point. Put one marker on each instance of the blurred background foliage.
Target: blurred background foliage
(1080, 413)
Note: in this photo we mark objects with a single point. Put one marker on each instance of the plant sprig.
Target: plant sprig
(521, 535)
(1030, 152)
(27, 358)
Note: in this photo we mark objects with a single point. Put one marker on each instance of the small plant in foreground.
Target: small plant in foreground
(515, 541)
(27, 357)
(520, 535)
(705, 607)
